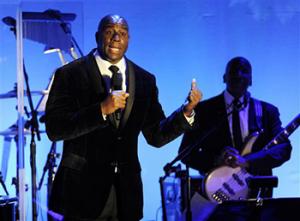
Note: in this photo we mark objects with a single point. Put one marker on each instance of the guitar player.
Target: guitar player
(216, 141)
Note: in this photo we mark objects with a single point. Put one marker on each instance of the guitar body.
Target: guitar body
(227, 183)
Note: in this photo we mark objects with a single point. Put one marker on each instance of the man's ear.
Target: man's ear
(225, 78)
(96, 36)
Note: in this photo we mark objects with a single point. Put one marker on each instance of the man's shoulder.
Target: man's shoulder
(138, 69)
(217, 99)
(266, 105)
(211, 105)
(77, 62)
(69, 66)
(75, 66)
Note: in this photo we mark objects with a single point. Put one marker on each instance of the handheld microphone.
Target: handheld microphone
(116, 86)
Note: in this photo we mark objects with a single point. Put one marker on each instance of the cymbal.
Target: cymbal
(13, 93)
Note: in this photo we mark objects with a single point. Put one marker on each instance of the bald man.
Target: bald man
(98, 105)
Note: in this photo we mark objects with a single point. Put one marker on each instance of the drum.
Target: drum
(8, 208)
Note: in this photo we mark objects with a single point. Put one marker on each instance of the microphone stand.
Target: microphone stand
(188, 195)
(49, 165)
(163, 202)
(186, 152)
(34, 130)
(167, 168)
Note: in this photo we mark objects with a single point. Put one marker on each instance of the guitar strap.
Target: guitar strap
(258, 113)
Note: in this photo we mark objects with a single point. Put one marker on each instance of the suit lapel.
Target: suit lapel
(251, 117)
(223, 111)
(98, 84)
(100, 88)
(130, 79)
(221, 118)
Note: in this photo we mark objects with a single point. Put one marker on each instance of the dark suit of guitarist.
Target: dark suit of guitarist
(96, 154)
(211, 116)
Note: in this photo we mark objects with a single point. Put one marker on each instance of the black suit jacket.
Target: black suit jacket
(92, 144)
(212, 134)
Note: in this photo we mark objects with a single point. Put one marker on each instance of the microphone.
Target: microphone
(10, 21)
(117, 86)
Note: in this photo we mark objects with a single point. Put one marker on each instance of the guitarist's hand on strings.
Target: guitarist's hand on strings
(233, 159)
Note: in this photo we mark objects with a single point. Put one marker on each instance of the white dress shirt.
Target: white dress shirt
(243, 114)
(104, 65)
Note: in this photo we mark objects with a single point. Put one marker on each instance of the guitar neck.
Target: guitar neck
(285, 133)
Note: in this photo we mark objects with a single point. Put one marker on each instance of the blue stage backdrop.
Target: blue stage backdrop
(176, 40)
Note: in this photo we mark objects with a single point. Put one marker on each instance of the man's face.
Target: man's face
(112, 39)
(238, 78)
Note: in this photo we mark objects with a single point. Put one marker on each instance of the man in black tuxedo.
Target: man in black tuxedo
(99, 111)
(213, 135)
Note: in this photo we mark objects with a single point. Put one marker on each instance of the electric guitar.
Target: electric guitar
(227, 183)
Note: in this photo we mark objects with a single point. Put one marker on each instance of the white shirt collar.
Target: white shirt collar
(243, 113)
(229, 99)
(104, 65)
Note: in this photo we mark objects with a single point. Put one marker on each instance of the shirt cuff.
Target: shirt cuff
(190, 119)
